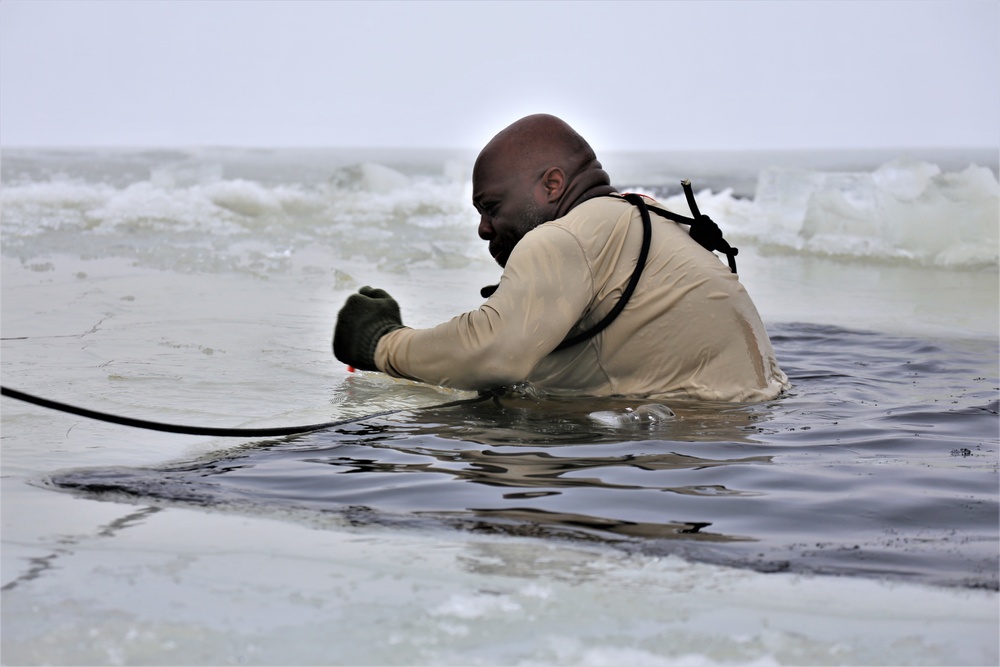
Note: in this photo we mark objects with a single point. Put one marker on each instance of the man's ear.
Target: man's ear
(553, 183)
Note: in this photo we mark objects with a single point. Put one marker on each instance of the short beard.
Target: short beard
(528, 218)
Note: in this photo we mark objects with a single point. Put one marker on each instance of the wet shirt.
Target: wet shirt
(689, 329)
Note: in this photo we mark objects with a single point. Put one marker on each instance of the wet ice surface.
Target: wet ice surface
(177, 586)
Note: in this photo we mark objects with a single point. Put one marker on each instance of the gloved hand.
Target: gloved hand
(364, 319)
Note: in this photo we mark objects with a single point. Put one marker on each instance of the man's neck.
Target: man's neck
(589, 183)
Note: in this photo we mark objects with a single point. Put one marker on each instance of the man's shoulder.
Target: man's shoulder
(578, 237)
(607, 205)
(592, 213)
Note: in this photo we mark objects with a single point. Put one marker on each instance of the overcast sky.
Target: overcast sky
(629, 76)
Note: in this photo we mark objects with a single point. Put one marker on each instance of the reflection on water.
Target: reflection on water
(854, 471)
(539, 421)
(539, 523)
(532, 469)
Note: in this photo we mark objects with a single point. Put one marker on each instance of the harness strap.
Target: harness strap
(640, 263)
(703, 230)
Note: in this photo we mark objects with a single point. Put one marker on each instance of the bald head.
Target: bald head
(535, 143)
(531, 148)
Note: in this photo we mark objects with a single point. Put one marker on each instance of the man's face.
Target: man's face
(507, 205)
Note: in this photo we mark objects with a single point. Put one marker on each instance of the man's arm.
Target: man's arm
(545, 289)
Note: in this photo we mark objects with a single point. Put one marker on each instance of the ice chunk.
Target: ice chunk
(904, 210)
(644, 415)
(370, 177)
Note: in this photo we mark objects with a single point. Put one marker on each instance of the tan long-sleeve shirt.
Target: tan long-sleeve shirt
(689, 329)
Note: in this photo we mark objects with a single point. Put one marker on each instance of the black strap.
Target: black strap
(703, 230)
(640, 264)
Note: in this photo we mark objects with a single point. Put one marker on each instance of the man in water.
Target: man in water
(569, 246)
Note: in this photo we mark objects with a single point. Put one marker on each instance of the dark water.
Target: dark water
(882, 461)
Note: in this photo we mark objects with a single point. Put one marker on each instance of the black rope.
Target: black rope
(209, 430)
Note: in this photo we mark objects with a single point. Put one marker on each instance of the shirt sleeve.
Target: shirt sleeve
(546, 288)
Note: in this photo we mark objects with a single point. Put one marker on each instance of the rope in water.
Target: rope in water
(209, 430)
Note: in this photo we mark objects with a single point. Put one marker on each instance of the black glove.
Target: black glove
(365, 317)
